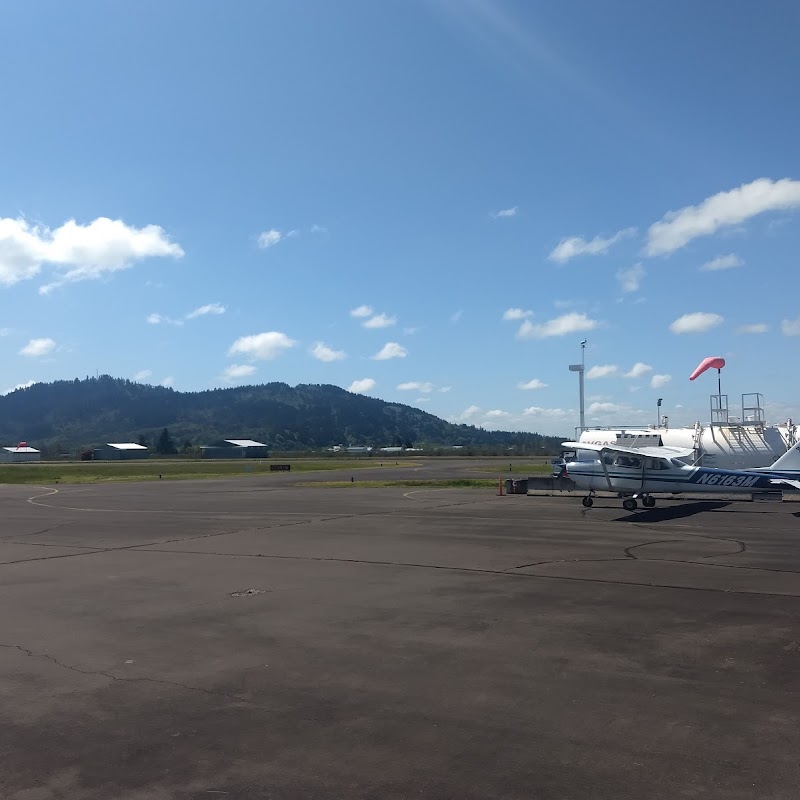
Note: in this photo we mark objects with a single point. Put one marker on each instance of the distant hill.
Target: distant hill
(67, 415)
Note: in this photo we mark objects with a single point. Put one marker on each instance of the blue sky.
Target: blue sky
(428, 201)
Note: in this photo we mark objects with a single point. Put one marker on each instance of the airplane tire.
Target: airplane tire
(648, 502)
(629, 504)
(588, 502)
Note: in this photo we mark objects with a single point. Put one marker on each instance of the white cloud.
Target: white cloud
(497, 413)
(5, 331)
(142, 375)
(18, 386)
(560, 326)
(638, 370)
(757, 327)
(168, 381)
(416, 386)
(361, 311)
(269, 238)
(790, 327)
(236, 371)
(211, 308)
(532, 384)
(380, 321)
(390, 350)
(158, 319)
(423, 400)
(318, 229)
(77, 252)
(38, 347)
(578, 246)
(504, 213)
(657, 381)
(602, 371)
(262, 346)
(362, 386)
(470, 411)
(604, 408)
(445, 388)
(630, 279)
(550, 413)
(677, 228)
(322, 352)
(456, 316)
(698, 322)
(722, 262)
(516, 313)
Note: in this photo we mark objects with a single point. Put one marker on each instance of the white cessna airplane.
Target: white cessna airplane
(639, 472)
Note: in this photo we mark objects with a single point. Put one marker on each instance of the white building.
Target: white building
(117, 451)
(21, 453)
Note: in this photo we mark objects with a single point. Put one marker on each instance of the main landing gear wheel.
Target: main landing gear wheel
(629, 504)
(588, 502)
(648, 502)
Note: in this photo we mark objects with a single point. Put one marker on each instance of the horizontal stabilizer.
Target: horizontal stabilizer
(795, 484)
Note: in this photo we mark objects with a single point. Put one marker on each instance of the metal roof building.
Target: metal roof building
(117, 451)
(16, 455)
(235, 448)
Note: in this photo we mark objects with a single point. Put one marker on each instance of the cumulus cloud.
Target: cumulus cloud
(142, 375)
(38, 347)
(567, 249)
(602, 371)
(790, 327)
(516, 314)
(604, 408)
(657, 381)
(497, 413)
(560, 326)
(470, 411)
(390, 350)
(236, 371)
(361, 311)
(532, 384)
(211, 308)
(677, 228)
(722, 262)
(380, 321)
(416, 386)
(77, 252)
(630, 279)
(698, 322)
(549, 413)
(638, 370)
(262, 346)
(322, 352)
(269, 238)
(756, 327)
(361, 386)
(168, 381)
(504, 213)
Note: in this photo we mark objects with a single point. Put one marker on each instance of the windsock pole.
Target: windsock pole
(500, 486)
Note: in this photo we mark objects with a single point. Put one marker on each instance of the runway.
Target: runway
(250, 638)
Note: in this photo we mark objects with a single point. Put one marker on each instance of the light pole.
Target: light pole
(658, 413)
(580, 369)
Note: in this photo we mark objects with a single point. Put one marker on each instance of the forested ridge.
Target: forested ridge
(65, 415)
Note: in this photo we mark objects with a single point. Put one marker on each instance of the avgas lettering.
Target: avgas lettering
(727, 479)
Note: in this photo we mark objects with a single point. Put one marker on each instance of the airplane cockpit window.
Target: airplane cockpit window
(656, 463)
(628, 461)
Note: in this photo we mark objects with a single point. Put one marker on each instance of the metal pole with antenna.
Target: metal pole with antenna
(580, 369)
(658, 412)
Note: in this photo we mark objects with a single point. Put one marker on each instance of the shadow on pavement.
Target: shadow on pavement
(668, 513)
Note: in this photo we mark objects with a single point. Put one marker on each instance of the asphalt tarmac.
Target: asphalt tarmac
(253, 639)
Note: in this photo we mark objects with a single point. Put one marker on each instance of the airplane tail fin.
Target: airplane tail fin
(788, 462)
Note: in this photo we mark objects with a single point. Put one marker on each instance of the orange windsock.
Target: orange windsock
(713, 362)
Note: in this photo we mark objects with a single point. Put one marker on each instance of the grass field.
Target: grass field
(520, 469)
(153, 470)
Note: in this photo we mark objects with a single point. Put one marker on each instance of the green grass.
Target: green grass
(174, 469)
(444, 483)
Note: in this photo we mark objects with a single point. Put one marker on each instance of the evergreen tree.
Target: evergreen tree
(165, 446)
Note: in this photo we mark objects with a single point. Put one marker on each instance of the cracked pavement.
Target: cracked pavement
(252, 639)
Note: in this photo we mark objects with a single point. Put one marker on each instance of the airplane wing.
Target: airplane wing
(650, 452)
(796, 484)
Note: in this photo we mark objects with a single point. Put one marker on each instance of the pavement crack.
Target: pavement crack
(110, 676)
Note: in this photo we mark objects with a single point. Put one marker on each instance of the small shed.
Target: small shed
(235, 448)
(118, 451)
(18, 454)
